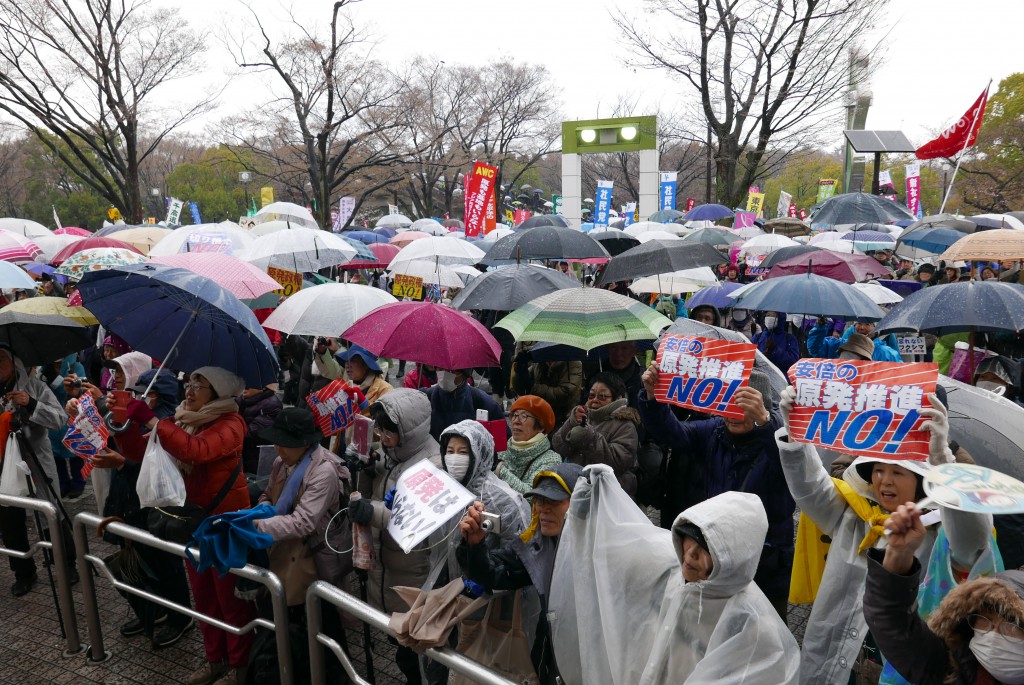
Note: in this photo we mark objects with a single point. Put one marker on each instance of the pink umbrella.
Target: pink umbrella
(242, 279)
(426, 333)
(405, 237)
(16, 248)
(848, 268)
(385, 253)
(73, 230)
(89, 244)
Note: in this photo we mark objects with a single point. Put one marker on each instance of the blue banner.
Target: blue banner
(603, 203)
(667, 190)
(194, 207)
(628, 214)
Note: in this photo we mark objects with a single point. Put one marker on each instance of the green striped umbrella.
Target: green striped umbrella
(585, 318)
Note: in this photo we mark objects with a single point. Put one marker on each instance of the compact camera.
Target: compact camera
(490, 522)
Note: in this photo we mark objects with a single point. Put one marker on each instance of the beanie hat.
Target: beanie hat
(926, 268)
(759, 381)
(225, 383)
(539, 408)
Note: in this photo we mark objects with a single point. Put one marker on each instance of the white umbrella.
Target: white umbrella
(466, 272)
(432, 273)
(440, 250)
(685, 281)
(395, 221)
(297, 215)
(54, 243)
(879, 294)
(656, 235)
(995, 221)
(223, 237)
(748, 232)
(24, 227)
(268, 227)
(327, 309)
(639, 228)
(742, 289)
(497, 234)
(431, 226)
(298, 249)
(766, 244)
(843, 246)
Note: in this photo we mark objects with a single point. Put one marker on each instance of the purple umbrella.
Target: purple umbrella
(716, 295)
(848, 268)
(710, 212)
(40, 269)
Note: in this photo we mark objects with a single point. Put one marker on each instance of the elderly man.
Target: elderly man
(819, 344)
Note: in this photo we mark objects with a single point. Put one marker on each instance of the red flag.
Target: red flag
(959, 135)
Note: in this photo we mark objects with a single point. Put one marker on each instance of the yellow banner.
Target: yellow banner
(510, 218)
(290, 280)
(755, 203)
(114, 213)
(266, 195)
(407, 286)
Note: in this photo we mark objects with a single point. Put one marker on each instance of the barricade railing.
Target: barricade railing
(86, 522)
(65, 602)
(320, 592)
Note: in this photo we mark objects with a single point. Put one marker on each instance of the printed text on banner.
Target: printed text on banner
(425, 498)
(667, 189)
(703, 373)
(335, 406)
(87, 433)
(479, 192)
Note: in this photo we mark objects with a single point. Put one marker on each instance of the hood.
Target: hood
(713, 308)
(133, 364)
(481, 445)
(166, 386)
(1003, 592)
(780, 326)
(853, 476)
(409, 410)
(68, 363)
(734, 525)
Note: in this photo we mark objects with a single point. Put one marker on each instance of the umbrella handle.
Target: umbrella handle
(171, 351)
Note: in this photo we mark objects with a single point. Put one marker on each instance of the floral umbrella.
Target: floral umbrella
(97, 259)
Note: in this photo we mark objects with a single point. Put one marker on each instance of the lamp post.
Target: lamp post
(155, 194)
(245, 177)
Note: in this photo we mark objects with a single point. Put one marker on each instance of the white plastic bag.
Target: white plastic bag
(160, 483)
(12, 479)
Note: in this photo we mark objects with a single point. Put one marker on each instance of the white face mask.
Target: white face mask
(770, 322)
(796, 319)
(457, 465)
(991, 386)
(446, 380)
(1001, 656)
(739, 316)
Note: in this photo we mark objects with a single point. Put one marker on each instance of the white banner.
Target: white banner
(785, 200)
(345, 208)
(174, 211)
(884, 178)
(912, 170)
(425, 499)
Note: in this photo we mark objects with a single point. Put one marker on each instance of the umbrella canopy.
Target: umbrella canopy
(362, 250)
(585, 318)
(858, 208)
(870, 240)
(89, 244)
(711, 236)
(710, 212)
(664, 216)
(383, 253)
(809, 294)
(17, 248)
(998, 245)
(784, 253)
(716, 296)
(658, 235)
(453, 223)
(539, 220)
(510, 287)
(992, 425)
(97, 259)
(945, 220)
(959, 308)
(426, 333)
(26, 228)
(766, 244)
(685, 281)
(439, 250)
(431, 272)
(241, 279)
(298, 249)
(405, 237)
(53, 244)
(879, 294)
(52, 306)
(143, 239)
(268, 227)
(659, 257)
(223, 237)
(393, 221)
(544, 242)
(430, 226)
(997, 221)
(368, 237)
(72, 230)
(641, 227)
(152, 307)
(41, 338)
(290, 212)
(839, 245)
(615, 242)
(326, 309)
(915, 243)
(14, 277)
(787, 226)
(848, 268)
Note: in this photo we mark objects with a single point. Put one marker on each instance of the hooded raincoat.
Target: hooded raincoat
(620, 618)
(820, 344)
(779, 345)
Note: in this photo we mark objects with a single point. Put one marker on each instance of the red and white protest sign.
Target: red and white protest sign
(690, 203)
(520, 216)
(425, 499)
(336, 405)
(959, 135)
(703, 373)
(479, 193)
(803, 214)
(862, 408)
(87, 433)
(913, 187)
(792, 209)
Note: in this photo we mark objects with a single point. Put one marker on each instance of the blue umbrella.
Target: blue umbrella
(809, 294)
(959, 308)
(367, 237)
(384, 231)
(40, 269)
(929, 239)
(716, 296)
(154, 307)
(665, 216)
(708, 213)
(870, 240)
(362, 251)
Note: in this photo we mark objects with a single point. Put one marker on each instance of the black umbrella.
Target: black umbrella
(39, 339)
(784, 253)
(787, 226)
(859, 208)
(539, 220)
(544, 242)
(616, 242)
(659, 257)
(511, 287)
(959, 308)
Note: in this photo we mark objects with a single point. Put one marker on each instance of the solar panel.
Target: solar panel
(879, 141)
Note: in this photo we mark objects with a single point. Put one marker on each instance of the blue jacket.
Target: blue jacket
(224, 540)
(820, 344)
(70, 365)
(448, 408)
(784, 348)
(747, 463)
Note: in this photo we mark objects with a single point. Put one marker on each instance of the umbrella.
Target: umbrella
(716, 296)
(615, 242)
(847, 268)
(710, 212)
(685, 281)
(539, 220)
(641, 227)
(223, 237)
(748, 232)
(388, 233)
(72, 230)
(784, 253)
(143, 239)
(879, 294)
(544, 242)
(766, 244)
(997, 221)
(585, 318)
(382, 256)
(152, 307)
(368, 237)
(711, 236)
(870, 240)
(268, 227)
(26, 228)
(431, 272)
(858, 208)
(393, 221)
(809, 294)
(426, 333)
(995, 246)
(14, 277)
(439, 250)
(927, 240)
(41, 338)
(52, 306)
(946, 220)
(787, 226)
(664, 216)
(52, 244)
(511, 287)
(326, 309)
(17, 248)
(89, 244)
(288, 212)
(658, 235)
(659, 257)
(98, 259)
(298, 249)
(992, 425)
(431, 226)
(241, 279)
(405, 237)
(453, 223)
(959, 308)
(362, 250)
(839, 245)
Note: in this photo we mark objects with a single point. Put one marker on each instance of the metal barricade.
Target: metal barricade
(65, 603)
(85, 521)
(320, 592)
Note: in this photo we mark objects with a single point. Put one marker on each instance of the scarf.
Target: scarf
(291, 488)
(192, 421)
(527, 444)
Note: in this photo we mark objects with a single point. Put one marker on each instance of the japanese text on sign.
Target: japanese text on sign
(910, 344)
(407, 286)
(479, 193)
(425, 499)
(87, 433)
(336, 405)
(208, 242)
(291, 282)
(863, 408)
(703, 373)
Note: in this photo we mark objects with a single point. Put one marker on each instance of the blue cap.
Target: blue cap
(368, 358)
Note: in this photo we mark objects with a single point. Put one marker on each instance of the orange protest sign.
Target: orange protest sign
(703, 373)
(290, 281)
(407, 286)
(862, 408)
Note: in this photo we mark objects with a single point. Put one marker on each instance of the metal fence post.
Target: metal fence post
(95, 652)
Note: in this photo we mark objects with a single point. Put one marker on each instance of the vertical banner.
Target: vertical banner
(194, 208)
(174, 211)
(392, 209)
(803, 214)
(785, 201)
(510, 218)
(690, 203)
(479, 194)
(604, 203)
(556, 204)
(668, 190)
(914, 188)
(346, 206)
(755, 203)
(884, 178)
(629, 214)
(266, 195)
(792, 210)
(519, 216)
(490, 216)
(743, 220)
(703, 373)
(826, 188)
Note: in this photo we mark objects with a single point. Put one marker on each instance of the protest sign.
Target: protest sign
(690, 203)
(266, 195)
(785, 202)
(87, 432)
(703, 373)
(208, 242)
(667, 190)
(913, 180)
(755, 203)
(863, 408)
(336, 405)
(911, 344)
(970, 487)
(174, 207)
(826, 188)
(743, 220)
(479, 195)
(603, 205)
(291, 282)
(407, 286)
(425, 499)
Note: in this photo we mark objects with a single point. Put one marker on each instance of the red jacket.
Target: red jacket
(213, 453)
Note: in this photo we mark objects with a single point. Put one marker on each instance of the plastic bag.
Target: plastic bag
(13, 477)
(363, 556)
(160, 483)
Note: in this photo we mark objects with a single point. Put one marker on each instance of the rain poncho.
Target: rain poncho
(622, 618)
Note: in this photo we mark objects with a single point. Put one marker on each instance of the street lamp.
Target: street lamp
(155, 194)
(245, 177)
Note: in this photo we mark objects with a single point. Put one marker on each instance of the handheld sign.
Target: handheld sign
(703, 373)
(291, 282)
(425, 499)
(969, 487)
(336, 405)
(862, 408)
(87, 433)
(911, 344)
(407, 286)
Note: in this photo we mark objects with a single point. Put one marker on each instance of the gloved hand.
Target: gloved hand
(360, 511)
(352, 460)
(473, 589)
(389, 498)
(937, 426)
(786, 401)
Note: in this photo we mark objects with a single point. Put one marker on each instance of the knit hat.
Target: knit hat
(926, 268)
(860, 345)
(225, 383)
(539, 408)
(759, 381)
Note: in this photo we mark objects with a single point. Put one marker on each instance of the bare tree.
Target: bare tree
(765, 72)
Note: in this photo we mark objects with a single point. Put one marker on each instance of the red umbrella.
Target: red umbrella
(385, 253)
(426, 333)
(89, 244)
(848, 268)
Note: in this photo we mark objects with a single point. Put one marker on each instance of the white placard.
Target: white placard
(425, 499)
(910, 344)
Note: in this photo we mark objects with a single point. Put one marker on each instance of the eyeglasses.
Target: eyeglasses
(196, 387)
(983, 624)
(603, 397)
(383, 432)
(519, 416)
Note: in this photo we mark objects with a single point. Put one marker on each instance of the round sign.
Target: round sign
(969, 487)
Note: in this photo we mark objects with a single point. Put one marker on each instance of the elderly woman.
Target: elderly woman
(363, 369)
(529, 450)
(206, 436)
(603, 431)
